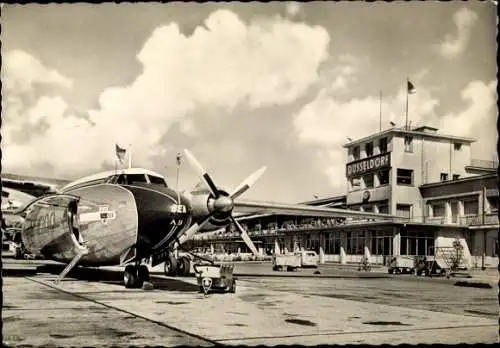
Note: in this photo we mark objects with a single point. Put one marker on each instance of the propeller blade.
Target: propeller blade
(201, 173)
(191, 231)
(247, 183)
(245, 237)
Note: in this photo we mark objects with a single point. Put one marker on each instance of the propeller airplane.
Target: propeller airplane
(129, 216)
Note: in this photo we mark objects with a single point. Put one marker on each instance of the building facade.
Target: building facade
(427, 179)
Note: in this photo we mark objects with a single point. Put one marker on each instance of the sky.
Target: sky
(241, 85)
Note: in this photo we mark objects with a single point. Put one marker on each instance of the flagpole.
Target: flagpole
(380, 113)
(178, 161)
(406, 123)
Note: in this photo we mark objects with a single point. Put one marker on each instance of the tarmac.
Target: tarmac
(92, 308)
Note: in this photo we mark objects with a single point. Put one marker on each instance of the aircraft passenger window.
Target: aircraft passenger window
(157, 181)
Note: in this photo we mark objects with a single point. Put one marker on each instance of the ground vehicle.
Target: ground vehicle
(309, 259)
(292, 261)
(215, 277)
(402, 264)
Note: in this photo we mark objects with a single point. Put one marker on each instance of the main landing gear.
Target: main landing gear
(135, 275)
(180, 266)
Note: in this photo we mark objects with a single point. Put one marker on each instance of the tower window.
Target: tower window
(404, 177)
(383, 145)
(369, 149)
(408, 144)
(355, 152)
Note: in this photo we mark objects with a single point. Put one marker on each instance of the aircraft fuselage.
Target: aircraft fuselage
(108, 219)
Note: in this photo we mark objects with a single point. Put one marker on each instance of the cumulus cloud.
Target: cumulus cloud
(478, 120)
(325, 123)
(452, 46)
(224, 63)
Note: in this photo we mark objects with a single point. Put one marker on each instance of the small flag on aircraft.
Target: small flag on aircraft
(411, 88)
(120, 153)
(178, 158)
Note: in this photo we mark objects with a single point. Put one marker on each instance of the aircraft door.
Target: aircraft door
(73, 221)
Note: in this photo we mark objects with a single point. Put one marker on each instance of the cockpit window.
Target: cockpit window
(131, 179)
(122, 179)
(154, 180)
(136, 179)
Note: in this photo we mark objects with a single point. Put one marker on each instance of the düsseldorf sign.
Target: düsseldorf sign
(368, 164)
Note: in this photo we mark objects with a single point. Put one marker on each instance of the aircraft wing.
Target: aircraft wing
(259, 207)
(28, 185)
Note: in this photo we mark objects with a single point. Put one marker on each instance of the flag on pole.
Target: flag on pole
(411, 88)
(120, 153)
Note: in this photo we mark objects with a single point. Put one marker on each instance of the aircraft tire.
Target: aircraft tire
(170, 266)
(183, 266)
(130, 278)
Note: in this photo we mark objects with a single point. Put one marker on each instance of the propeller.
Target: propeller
(221, 203)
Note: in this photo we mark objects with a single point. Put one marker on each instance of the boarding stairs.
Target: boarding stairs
(82, 251)
(451, 260)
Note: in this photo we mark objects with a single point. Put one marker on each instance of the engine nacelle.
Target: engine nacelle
(199, 205)
(202, 204)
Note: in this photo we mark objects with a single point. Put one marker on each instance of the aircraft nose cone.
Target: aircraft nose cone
(223, 204)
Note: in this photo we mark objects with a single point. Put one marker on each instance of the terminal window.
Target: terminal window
(438, 209)
(403, 210)
(355, 184)
(369, 149)
(368, 179)
(383, 145)
(383, 177)
(471, 207)
(444, 176)
(355, 243)
(456, 176)
(355, 152)
(383, 209)
(419, 243)
(457, 146)
(408, 144)
(381, 243)
(404, 177)
(333, 243)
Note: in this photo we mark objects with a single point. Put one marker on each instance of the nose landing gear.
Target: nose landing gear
(135, 276)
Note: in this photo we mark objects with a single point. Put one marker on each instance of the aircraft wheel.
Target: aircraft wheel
(170, 266)
(130, 277)
(184, 266)
(143, 273)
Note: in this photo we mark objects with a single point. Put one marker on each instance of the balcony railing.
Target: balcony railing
(483, 163)
(435, 219)
(475, 220)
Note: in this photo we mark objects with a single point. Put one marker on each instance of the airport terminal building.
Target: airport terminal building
(425, 178)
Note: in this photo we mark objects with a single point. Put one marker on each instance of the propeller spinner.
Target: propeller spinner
(221, 202)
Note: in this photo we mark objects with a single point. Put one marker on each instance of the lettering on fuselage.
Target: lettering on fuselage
(47, 220)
